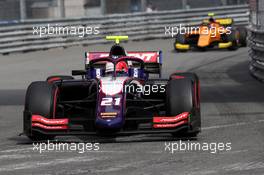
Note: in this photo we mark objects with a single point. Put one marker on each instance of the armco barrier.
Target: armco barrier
(256, 53)
(19, 36)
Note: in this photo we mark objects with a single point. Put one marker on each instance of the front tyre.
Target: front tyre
(179, 97)
(182, 97)
(41, 98)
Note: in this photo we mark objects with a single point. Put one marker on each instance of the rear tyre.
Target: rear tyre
(234, 38)
(242, 36)
(180, 39)
(40, 99)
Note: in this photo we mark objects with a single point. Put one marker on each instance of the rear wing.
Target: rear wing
(222, 21)
(152, 59)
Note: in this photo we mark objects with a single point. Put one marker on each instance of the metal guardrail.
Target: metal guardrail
(19, 36)
(256, 53)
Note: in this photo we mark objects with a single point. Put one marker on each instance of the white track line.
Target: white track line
(243, 166)
(37, 164)
(231, 125)
(14, 156)
(16, 150)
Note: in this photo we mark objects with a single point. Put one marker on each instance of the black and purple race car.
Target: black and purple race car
(114, 95)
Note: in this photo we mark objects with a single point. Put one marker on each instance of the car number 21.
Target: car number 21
(110, 101)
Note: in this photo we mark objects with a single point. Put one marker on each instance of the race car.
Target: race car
(114, 95)
(212, 33)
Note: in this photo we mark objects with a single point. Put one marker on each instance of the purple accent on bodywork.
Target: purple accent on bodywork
(111, 123)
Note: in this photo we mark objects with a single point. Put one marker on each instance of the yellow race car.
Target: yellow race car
(211, 33)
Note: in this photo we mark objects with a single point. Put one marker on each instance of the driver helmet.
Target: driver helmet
(211, 20)
(211, 17)
(120, 67)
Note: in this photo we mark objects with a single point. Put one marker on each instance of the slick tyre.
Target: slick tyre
(179, 98)
(234, 38)
(242, 36)
(41, 98)
(180, 39)
(195, 84)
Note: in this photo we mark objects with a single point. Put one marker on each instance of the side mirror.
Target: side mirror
(78, 72)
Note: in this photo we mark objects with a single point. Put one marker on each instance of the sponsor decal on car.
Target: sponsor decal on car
(148, 57)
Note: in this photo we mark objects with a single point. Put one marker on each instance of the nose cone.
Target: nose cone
(204, 40)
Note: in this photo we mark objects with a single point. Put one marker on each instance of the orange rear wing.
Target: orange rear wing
(221, 21)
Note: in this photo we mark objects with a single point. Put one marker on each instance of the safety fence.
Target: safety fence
(22, 36)
(256, 53)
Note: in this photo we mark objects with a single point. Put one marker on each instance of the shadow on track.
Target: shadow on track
(234, 85)
(12, 97)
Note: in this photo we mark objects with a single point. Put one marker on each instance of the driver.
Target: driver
(211, 19)
(121, 67)
(116, 52)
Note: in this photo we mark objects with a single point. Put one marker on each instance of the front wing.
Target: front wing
(65, 126)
